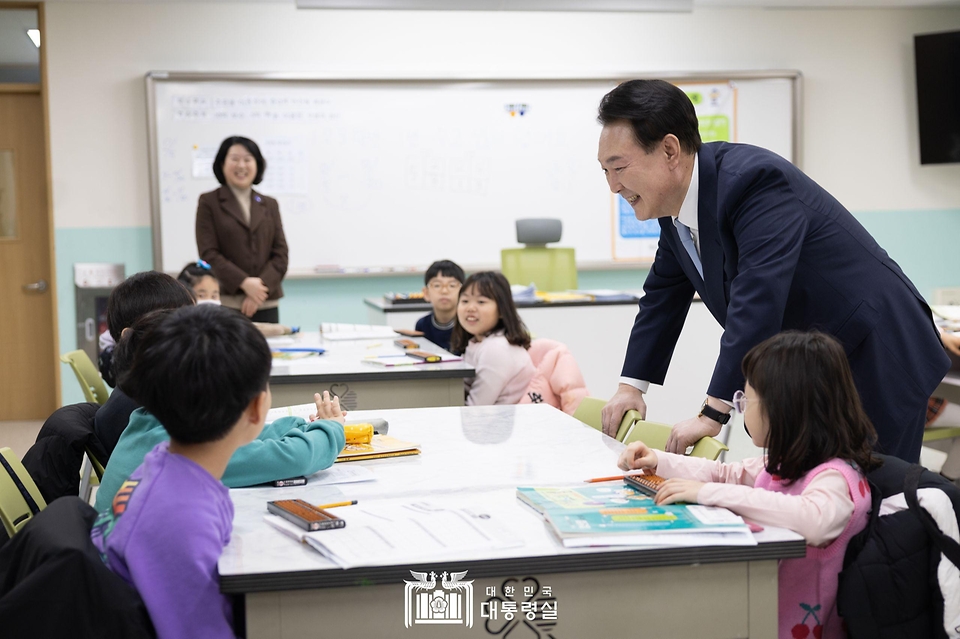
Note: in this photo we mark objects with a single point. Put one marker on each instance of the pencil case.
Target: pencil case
(304, 514)
(358, 433)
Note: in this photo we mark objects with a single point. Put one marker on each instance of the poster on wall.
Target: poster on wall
(716, 107)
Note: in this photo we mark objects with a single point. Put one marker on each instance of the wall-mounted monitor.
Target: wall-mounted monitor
(938, 96)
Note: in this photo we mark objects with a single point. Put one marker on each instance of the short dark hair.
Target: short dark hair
(246, 143)
(198, 370)
(805, 386)
(654, 108)
(443, 268)
(494, 285)
(126, 347)
(193, 272)
(141, 293)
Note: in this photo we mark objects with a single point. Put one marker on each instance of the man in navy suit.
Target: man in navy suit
(768, 250)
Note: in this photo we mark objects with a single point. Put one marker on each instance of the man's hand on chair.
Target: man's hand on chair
(626, 398)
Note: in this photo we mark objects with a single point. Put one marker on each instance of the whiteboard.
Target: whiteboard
(388, 175)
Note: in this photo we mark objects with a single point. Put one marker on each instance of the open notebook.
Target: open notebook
(614, 514)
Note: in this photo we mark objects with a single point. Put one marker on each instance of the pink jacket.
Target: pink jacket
(558, 380)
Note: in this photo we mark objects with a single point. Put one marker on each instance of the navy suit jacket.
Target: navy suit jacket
(778, 253)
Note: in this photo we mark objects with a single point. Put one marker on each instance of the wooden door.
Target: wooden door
(28, 357)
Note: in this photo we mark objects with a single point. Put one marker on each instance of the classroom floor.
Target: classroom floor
(19, 436)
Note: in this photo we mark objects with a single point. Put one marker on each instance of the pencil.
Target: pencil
(339, 503)
(613, 478)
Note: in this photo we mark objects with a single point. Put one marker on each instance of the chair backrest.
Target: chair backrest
(20, 499)
(551, 269)
(655, 435)
(96, 463)
(588, 412)
(94, 390)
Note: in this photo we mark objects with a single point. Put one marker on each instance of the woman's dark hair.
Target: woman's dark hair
(246, 143)
(130, 338)
(654, 109)
(494, 285)
(193, 272)
(197, 370)
(141, 293)
(805, 386)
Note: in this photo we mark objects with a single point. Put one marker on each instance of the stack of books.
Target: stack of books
(381, 446)
(615, 514)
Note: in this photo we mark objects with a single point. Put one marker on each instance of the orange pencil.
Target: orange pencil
(614, 478)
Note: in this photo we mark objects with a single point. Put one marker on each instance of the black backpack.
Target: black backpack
(889, 586)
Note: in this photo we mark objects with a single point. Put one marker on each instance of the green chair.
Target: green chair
(936, 434)
(589, 410)
(94, 390)
(91, 472)
(551, 269)
(655, 435)
(20, 499)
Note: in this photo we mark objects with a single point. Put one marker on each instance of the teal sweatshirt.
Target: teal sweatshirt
(288, 447)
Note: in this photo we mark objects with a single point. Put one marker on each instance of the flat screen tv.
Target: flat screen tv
(938, 96)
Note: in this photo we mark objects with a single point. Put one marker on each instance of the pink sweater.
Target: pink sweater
(827, 507)
(503, 371)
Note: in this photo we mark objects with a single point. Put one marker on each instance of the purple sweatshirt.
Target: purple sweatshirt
(164, 534)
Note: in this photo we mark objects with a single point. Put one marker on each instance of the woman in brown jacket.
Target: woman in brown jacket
(240, 234)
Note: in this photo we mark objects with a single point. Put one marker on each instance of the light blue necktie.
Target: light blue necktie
(687, 240)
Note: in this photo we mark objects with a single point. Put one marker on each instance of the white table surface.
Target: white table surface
(474, 456)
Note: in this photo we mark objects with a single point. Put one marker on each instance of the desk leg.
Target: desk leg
(762, 594)
(263, 615)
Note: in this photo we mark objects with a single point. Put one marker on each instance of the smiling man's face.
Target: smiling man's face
(648, 181)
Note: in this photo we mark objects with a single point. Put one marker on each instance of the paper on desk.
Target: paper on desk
(300, 410)
(744, 538)
(947, 311)
(332, 331)
(388, 533)
(341, 474)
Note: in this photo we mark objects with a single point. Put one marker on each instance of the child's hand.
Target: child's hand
(638, 455)
(674, 490)
(328, 408)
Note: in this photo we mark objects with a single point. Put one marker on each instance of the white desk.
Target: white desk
(949, 388)
(597, 334)
(479, 455)
(359, 384)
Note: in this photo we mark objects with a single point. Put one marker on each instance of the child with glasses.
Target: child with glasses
(799, 403)
(442, 283)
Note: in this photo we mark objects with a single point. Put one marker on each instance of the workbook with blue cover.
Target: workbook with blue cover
(613, 514)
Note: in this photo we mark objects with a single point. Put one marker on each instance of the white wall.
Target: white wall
(860, 138)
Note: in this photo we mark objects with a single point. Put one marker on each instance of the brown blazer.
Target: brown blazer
(238, 251)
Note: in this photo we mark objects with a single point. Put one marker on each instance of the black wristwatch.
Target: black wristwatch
(708, 411)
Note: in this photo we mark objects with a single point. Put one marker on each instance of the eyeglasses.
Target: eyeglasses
(740, 401)
(448, 286)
